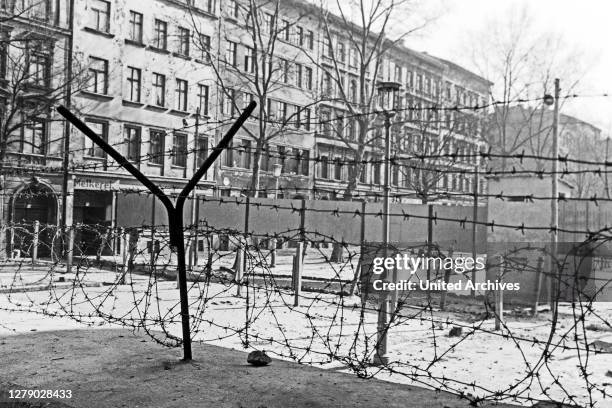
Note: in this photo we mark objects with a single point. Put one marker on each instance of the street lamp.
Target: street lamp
(277, 170)
(388, 92)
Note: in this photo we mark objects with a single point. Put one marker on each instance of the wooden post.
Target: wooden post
(273, 253)
(538, 285)
(447, 273)
(297, 273)
(239, 267)
(125, 240)
(35, 242)
(361, 249)
(499, 294)
(153, 252)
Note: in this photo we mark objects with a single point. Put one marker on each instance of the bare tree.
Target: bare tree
(33, 80)
(432, 150)
(270, 64)
(357, 35)
(522, 63)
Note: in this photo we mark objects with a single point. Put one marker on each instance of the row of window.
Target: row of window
(133, 145)
(98, 83)
(100, 21)
(279, 112)
(292, 160)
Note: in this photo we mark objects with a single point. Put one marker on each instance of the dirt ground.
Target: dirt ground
(115, 368)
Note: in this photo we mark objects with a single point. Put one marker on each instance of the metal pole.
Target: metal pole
(273, 240)
(554, 210)
(175, 211)
(381, 357)
(474, 225)
(66, 158)
(193, 258)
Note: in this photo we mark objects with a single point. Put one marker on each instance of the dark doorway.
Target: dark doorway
(92, 211)
(36, 202)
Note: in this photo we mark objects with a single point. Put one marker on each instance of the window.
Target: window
(285, 67)
(181, 95)
(156, 146)
(338, 168)
(201, 150)
(328, 51)
(98, 75)
(249, 60)
(161, 35)
(341, 52)
(92, 149)
(299, 69)
(227, 104)
(183, 44)
(179, 150)
(33, 141)
(134, 82)
(281, 111)
(353, 91)
(398, 74)
(159, 89)
(310, 40)
(353, 58)
(286, 33)
(204, 47)
(136, 27)
(308, 78)
(100, 15)
(327, 85)
(38, 69)
(244, 155)
(268, 23)
(203, 92)
(38, 9)
(3, 59)
(324, 168)
(210, 5)
(299, 36)
(131, 140)
(305, 162)
(230, 53)
(232, 8)
(306, 118)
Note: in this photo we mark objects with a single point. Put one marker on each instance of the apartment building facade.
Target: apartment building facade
(162, 80)
(33, 80)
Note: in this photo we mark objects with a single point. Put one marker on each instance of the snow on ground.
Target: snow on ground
(330, 331)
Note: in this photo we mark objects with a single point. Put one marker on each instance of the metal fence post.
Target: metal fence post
(125, 242)
(35, 242)
(538, 285)
(239, 267)
(499, 294)
(174, 210)
(297, 274)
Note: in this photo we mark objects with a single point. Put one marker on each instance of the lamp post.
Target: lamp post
(277, 170)
(387, 97)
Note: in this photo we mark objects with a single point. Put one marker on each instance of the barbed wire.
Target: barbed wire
(133, 288)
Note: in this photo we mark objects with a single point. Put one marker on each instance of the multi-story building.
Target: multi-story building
(162, 80)
(34, 38)
(437, 117)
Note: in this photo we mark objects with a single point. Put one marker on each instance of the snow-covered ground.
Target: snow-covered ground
(336, 333)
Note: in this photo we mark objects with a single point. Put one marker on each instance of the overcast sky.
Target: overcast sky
(585, 24)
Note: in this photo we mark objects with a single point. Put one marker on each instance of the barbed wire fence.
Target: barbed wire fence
(127, 281)
(261, 277)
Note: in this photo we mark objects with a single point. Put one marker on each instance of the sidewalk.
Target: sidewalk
(115, 368)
